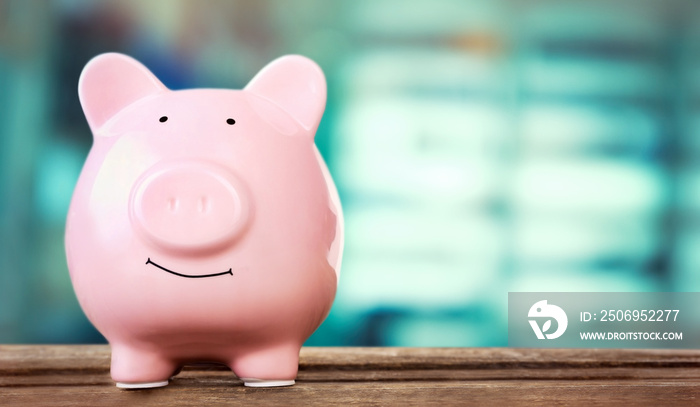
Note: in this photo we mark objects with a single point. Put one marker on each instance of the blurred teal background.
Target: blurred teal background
(479, 147)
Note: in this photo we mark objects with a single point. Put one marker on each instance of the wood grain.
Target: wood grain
(79, 375)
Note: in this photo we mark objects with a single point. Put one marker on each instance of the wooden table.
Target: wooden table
(79, 375)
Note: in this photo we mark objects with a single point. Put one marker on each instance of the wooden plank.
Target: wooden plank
(78, 375)
(90, 357)
(369, 393)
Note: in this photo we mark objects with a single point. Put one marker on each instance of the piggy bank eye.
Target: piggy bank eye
(163, 119)
(230, 121)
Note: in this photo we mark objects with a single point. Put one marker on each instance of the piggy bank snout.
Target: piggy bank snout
(189, 206)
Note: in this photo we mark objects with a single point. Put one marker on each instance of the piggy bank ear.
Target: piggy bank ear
(296, 85)
(110, 82)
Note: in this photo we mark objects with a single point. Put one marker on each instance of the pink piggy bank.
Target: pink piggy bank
(205, 225)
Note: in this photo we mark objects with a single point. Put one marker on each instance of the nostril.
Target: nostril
(203, 204)
(173, 203)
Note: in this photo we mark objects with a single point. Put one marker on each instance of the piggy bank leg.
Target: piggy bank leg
(271, 367)
(137, 369)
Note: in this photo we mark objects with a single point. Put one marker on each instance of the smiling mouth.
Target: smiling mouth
(229, 271)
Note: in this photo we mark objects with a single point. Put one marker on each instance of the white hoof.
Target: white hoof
(266, 383)
(141, 385)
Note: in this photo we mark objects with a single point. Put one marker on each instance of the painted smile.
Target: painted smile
(229, 271)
